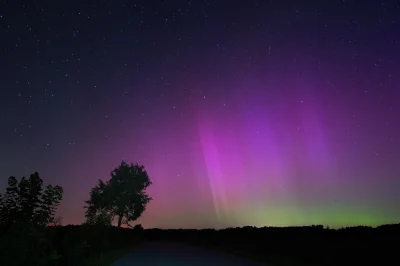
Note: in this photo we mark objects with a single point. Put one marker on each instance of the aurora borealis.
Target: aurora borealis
(272, 113)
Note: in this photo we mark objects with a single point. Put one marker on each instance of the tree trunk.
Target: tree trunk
(119, 220)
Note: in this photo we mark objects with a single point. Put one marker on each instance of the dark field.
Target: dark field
(313, 245)
(296, 245)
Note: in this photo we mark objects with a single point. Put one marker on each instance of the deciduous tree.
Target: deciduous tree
(123, 196)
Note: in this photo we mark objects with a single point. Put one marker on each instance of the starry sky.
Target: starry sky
(264, 113)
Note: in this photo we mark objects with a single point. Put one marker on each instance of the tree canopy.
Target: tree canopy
(123, 195)
(26, 201)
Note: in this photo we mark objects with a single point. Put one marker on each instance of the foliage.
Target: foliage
(99, 219)
(27, 201)
(25, 210)
(123, 196)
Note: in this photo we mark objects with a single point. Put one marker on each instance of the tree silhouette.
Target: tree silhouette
(51, 198)
(100, 219)
(123, 196)
(26, 201)
(97, 204)
(25, 211)
(9, 205)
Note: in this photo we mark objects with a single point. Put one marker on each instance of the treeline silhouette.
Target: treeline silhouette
(306, 245)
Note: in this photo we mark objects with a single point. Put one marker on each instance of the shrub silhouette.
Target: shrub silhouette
(138, 228)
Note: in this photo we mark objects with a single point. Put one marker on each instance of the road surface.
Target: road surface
(174, 254)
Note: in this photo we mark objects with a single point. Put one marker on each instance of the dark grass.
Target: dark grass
(105, 258)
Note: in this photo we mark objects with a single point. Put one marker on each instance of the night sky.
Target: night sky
(264, 113)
